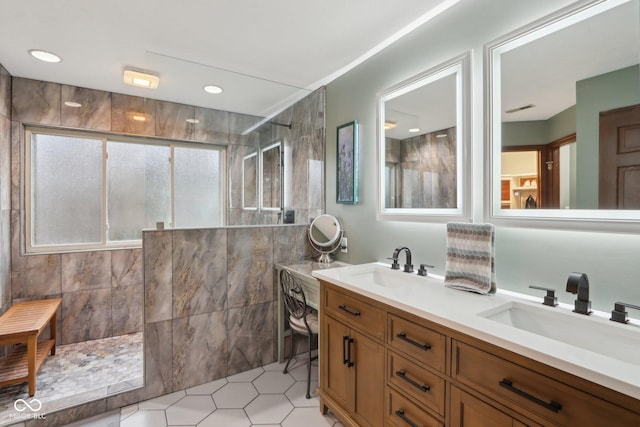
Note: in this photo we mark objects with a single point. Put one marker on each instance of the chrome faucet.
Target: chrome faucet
(408, 267)
(578, 283)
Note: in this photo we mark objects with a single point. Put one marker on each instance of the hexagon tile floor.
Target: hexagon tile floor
(260, 397)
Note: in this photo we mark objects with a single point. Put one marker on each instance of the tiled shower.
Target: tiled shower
(205, 300)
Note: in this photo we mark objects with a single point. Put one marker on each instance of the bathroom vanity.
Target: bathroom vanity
(301, 270)
(402, 350)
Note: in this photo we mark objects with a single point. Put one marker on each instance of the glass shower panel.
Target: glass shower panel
(198, 196)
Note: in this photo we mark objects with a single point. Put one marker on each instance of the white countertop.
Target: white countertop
(427, 297)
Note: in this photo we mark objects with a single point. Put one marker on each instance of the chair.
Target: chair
(302, 320)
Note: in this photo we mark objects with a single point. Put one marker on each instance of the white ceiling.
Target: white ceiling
(265, 54)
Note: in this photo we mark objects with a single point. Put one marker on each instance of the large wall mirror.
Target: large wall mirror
(564, 118)
(422, 145)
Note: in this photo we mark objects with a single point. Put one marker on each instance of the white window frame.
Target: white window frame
(105, 137)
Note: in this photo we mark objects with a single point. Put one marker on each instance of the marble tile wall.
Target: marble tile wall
(234, 328)
(102, 292)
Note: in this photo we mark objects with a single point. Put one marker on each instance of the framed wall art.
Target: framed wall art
(347, 163)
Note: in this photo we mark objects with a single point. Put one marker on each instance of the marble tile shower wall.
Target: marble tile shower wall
(102, 291)
(211, 301)
(303, 163)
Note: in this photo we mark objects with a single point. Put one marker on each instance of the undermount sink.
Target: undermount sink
(595, 334)
(376, 274)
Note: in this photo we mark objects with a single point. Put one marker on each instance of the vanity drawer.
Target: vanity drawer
(401, 412)
(356, 313)
(424, 386)
(519, 387)
(425, 345)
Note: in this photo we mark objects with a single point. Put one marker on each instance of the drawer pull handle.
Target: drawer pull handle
(349, 361)
(400, 413)
(552, 406)
(404, 337)
(414, 383)
(344, 308)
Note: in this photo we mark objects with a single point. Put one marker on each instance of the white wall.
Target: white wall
(524, 256)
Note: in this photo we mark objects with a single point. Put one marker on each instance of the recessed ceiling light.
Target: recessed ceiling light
(45, 56)
(141, 78)
(389, 125)
(72, 104)
(139, 118)
(193, 121)
(414, 130)
(441, 135)
(213, 89)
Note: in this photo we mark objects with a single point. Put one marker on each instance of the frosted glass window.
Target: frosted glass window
(197, 187)
(87, 191)
(66, 184)
(138, 189)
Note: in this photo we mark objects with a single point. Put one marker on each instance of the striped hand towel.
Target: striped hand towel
(470, 258)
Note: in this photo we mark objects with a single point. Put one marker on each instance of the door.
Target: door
(551, 171)
(337, 373)
(619, 184)
(557, 173)
(368, 359)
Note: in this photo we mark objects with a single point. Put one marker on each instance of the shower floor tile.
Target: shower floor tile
(78, 373)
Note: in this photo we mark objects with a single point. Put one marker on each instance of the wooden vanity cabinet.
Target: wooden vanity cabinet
(352, 360)
(534, 389)
(382, 366)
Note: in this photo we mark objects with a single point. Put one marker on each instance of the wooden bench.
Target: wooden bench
(22, 324)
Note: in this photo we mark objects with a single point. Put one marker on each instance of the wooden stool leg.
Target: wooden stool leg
(53, 327)
(32, 350)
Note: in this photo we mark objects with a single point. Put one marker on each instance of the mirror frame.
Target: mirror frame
(459, 65)
(578, 219)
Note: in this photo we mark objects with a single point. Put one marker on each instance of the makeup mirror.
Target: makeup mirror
(325, 236)
(422, 134)
(566, 90)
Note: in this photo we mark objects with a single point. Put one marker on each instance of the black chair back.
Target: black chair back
(293, 295)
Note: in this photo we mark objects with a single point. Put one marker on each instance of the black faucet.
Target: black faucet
(408, 267)
(578, 283)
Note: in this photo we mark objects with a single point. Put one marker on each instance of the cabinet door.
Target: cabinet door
(336, 374)
(368, 359)
(467, 411)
